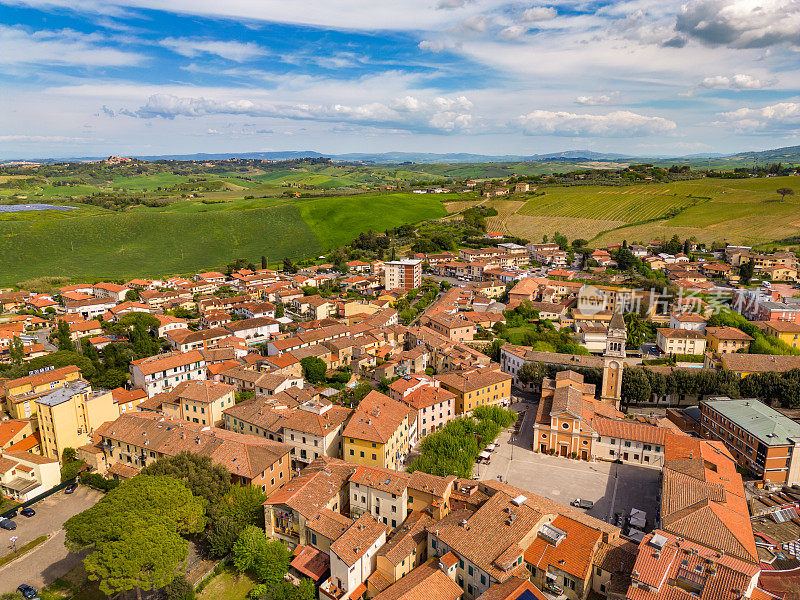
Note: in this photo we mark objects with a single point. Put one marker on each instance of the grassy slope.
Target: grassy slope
(139, 243)
(91, 243)
(338, 220)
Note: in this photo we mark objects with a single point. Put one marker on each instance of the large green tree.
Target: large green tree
(199, 473)
(267, 560)
(134, 533)
(314, 369)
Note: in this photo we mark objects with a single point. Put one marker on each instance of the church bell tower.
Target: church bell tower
(613, 360)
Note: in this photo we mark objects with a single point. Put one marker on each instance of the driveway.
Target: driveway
(49, 560)
(612, 487)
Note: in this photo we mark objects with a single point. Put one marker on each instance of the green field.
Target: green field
(190, 235)
(732, 210)
(336, 221)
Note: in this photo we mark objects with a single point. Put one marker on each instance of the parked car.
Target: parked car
(11, 514)
(587, 504)
(8, 524)
(27, 512)
(27, 591)
(70, 488)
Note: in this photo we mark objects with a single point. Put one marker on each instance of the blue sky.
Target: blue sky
(100, 77)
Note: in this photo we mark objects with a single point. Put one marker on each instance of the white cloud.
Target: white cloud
(431, 45)
(597, 100)
(615, 124)
(19, 46)
(412, 15)
(434, 115)
(774, 118)
(739, 81)
(513, 32)
(230, 50)
(741, 23)
(539, 13)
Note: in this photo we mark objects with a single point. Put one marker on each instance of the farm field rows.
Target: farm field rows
(733, 210)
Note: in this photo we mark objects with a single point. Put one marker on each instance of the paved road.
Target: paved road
(613, 488)
(50, 560)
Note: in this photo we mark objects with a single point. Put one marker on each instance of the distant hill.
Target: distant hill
(790, 154)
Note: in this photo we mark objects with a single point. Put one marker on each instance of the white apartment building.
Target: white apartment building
(403, 274)
(163, 372)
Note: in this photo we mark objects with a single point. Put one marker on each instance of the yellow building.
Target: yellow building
(21, 394)
(785, 331)
(477, 387)
(378, 434)
(69, 415)
(727, 340)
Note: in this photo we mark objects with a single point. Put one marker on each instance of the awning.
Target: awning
(635, 512)
(637, 521)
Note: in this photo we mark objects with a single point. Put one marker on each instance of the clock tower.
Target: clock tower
(614, 360)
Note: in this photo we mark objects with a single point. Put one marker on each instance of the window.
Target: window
(469, 569)
(483, 579)
(460, 564)
(362, 454)
(314, 538)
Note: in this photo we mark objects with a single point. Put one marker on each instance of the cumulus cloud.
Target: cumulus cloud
(741, 23)
(597, 100)
(776, 117)
(64, 47)
(739, 81)
(539, 13)
(512, 32)
(410, 113)
(614, 124)
(235, 51)
(431, 45)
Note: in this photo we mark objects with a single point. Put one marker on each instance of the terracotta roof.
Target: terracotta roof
(26, 444)
(164, 362)
(317, 484)
(426, 582)
(489, 538)
(728, 333)
(680, 333)
(329, 523)
(616, 555)
(474, 379)
(407, 538)
(358, 538)
(513, 589)
(9, 429)
(243, 455)
(759, 363)
(428, 396)
(573, 554)
(630, 430)
(310, 562)
(385, 480)
(376, 418)
(42, 378)
(431, 484)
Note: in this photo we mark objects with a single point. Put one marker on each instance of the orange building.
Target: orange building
(564, 419)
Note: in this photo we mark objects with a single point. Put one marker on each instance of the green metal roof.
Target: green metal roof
(759, 420)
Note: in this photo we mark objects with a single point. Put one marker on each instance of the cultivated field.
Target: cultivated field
(732, 210)
(190, 235)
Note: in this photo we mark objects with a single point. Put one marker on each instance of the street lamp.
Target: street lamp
(14, 539)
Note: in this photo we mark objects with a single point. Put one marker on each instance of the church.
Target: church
(569, 407)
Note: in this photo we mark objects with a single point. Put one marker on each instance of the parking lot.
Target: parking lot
(49, 560)
(612, 487)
